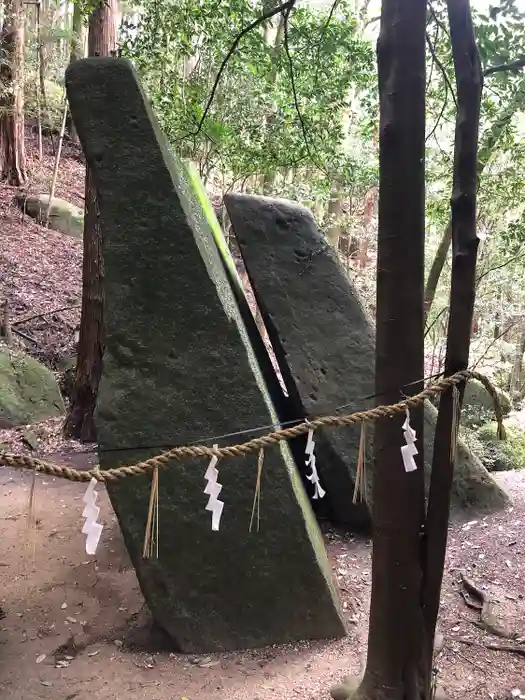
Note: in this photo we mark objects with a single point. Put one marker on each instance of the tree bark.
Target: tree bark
(487, 146)
(469, 81)
(79, 421)
(396, 634)
(516, 375)
(335, 208)
(12, 137)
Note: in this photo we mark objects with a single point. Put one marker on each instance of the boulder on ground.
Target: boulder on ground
(501, 455)
(473, 486)
(324, 342)
(179, 368)
(478, 404)
(63, 216)
(28, 390)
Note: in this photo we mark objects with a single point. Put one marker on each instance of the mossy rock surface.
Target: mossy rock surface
(478, 405)
(501, 455)
(473, 486)
(28, 391)
(63, 216)
(178, 365)
(325, 345)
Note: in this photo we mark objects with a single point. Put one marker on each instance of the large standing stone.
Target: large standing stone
(179, 368)
(324, 341)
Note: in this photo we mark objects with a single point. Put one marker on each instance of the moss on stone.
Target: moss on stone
(501, 455)
(63, 216)
(178, 367)
(28, 390)
(478, 405)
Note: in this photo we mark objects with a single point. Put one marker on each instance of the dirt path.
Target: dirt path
(87, 616)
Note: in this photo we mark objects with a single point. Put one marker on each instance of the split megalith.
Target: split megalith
(179, 368)
(324, 341)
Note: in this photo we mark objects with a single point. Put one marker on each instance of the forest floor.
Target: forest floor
(76, 628)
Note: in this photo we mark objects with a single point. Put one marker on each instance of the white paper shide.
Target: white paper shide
(409, 450)
(319, 492)
(92, 529)
(213, 489)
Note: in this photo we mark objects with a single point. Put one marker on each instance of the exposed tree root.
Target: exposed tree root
(487, 619)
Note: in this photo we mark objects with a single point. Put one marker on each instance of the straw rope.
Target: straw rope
(256, 444)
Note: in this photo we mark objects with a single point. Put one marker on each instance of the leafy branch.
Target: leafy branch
(285, 7)
(294, 89)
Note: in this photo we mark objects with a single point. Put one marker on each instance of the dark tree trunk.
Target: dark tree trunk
(395, 639)
(12, 144)
(79, 422)
(469, 81)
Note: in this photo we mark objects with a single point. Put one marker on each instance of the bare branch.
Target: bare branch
(509, 261)
(442, 69)
(25, 319)
(516, 65)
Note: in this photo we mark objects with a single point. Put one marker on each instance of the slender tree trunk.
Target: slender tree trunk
(79, 422)
(487, 146)
(268, 180)
(12, 143)
(469, 81)
(396, 634)
(335, 209)
(77, 52)
(515, 380)
(43, 16)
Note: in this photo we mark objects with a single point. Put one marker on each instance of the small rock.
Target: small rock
(63, 606)
(40, 658)
(30, 439)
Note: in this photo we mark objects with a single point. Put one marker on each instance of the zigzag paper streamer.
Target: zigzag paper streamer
(213, 489)
(319, 492)
(409, 450)
(91, 528)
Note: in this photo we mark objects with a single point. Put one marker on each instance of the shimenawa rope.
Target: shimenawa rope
(256, 444)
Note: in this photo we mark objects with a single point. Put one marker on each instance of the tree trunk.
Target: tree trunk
(79, 422)
(487, 146)
(334, 212)
(77, 52)
(469, 81)
(12, 143)
(268, 179)
(396, 633)
(516, 380)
